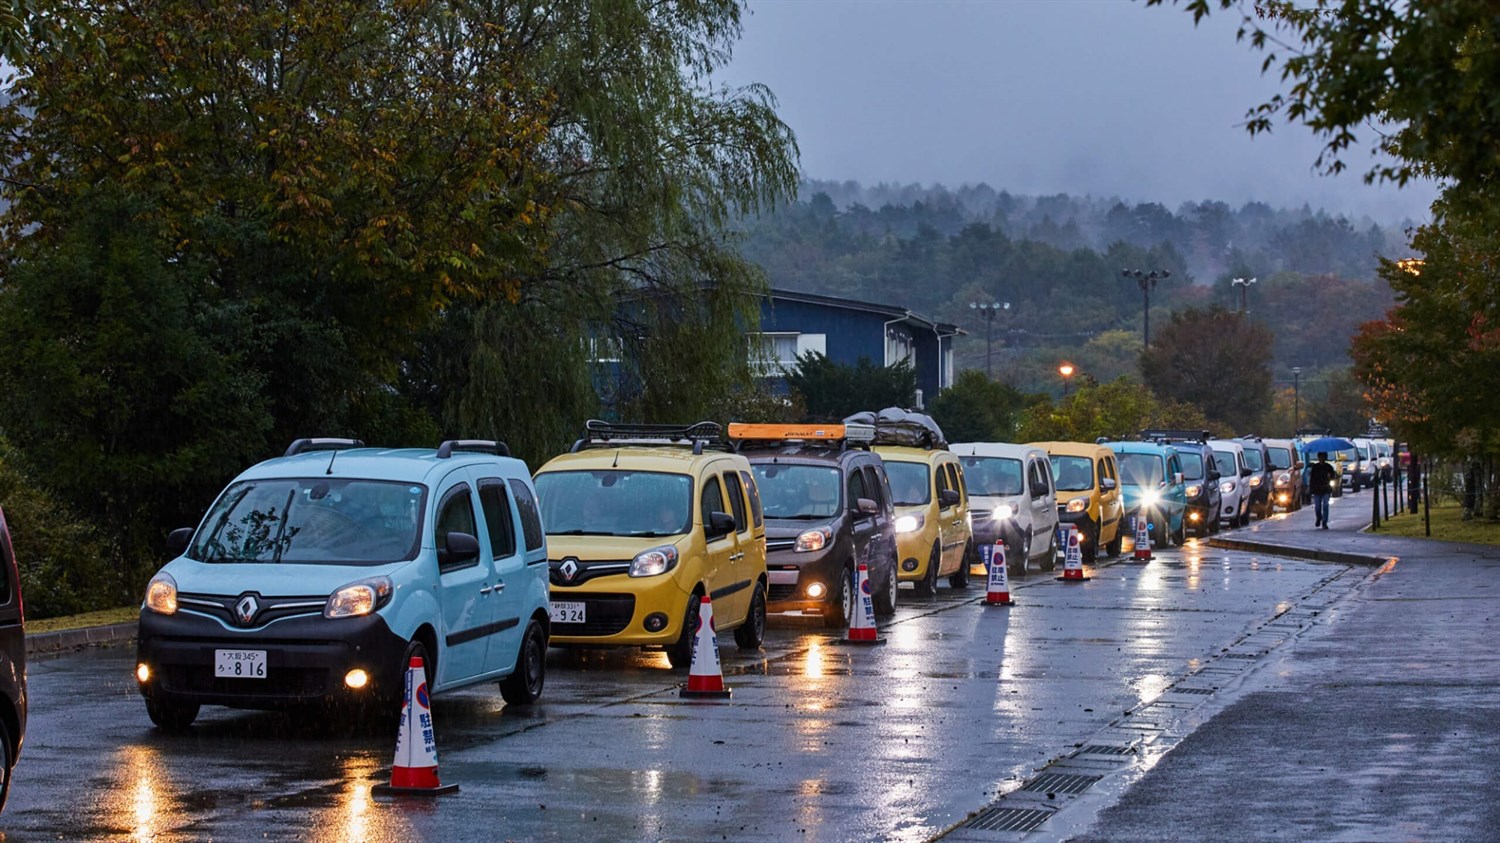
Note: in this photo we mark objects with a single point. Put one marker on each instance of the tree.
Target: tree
(1119, 409)
(1216, 360)
(832, 390)
(977, 409)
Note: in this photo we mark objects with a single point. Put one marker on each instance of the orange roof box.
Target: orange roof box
(738, 430)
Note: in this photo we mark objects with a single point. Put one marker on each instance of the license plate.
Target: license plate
(568, 612)
(240, 664)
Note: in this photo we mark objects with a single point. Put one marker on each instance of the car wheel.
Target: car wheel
(927, 586)
(750, 634)
(168, 715)
(1090, 551)
(680, 654)
(1180, 536)
(885, 598)
(1116, 544)
(960, 578)
(1051, 563)
(524, 685)
(845, 604)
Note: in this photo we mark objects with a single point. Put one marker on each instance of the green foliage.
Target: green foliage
(1215, 360)
(977, 409)
(832, 391)
(1118, 409)
(1342, 409)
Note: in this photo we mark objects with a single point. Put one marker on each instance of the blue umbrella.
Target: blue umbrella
(1326, 444)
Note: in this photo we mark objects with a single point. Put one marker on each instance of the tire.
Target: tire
(1117, 544)
(750, 634)
(840, 612)
(1023, 559)
(960, 578)
(885, 598)
(524, 685)
(1051, 563)
(680, 654)
(168, 715)
(927, 586)
(1090, 551)
(7, 764)
(1180, 536)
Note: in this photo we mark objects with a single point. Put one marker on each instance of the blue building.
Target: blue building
(846, 330)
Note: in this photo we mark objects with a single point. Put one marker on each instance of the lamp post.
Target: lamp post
(1147, 282)
(1066, 370)
(989, 310)
(1296, 398)
(1244, 285)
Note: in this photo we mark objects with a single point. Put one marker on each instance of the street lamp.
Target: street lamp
(1244, 285)
(989, 311)
(1066, 370)
(1296, 398)
(1147, 282)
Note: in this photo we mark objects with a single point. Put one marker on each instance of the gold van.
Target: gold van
(1088, 494)
(934, 537)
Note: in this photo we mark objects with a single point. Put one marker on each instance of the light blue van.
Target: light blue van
(1152, 482)
(316, 576)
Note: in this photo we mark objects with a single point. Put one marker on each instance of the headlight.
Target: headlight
(1283, 479)
(1194, 491)
(1227, 487)
(1255, 481)
(813, 540)
(1078, 505)
(656, 560)
(910, 523)
(161, 594)
(1151, 498)
(1004, 510)
(358, 599)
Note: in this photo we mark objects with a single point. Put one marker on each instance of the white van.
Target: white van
(1234, 485)
(1012, 500)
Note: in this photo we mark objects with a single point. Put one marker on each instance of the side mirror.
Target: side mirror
(460, 548)
(1108, 484)
(867, 507)
(948, 497)
(1245, 472)
(177, 541)
(720, 524)
(1213, 474)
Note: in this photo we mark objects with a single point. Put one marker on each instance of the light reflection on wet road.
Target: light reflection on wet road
(820, 741)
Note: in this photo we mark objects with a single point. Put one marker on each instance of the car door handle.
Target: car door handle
(485, 590)
(736, 556)
(499, 587)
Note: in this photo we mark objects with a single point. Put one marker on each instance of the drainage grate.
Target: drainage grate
(1101, 749)
(1191, 690)
(1009, 819)
(1242, 655)
(1060, 783)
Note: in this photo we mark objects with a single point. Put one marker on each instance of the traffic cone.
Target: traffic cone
(862, 625)
(1073, 558)
(1142, 540)
(705, 677)
(415, 770)
(997, 593)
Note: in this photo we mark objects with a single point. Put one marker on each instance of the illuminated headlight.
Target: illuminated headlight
(813, 540)
(1078, 505)
(657, 560)
(910, 523)
(1283, 479)
(1194, 491)
(358, 599)
(816, 590)
(143, 673)
(1193, 516)
(356, 679)
(1151, 498)
(1255, 482)
(1004, 510)
(1227, 487)
(161, 594)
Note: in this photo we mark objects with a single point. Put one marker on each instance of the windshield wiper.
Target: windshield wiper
(579, 533)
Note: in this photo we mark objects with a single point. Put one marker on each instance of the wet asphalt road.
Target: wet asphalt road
(820, 742)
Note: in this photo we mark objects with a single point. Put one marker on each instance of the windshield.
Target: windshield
(1140, 469)
(798, 491)
(1225, 461)
(994, 476)
(909, 484)
(313, 521)
(1281, 458)
(1253, 459)
(1073, 474)
(615, 502)
(1192, 465)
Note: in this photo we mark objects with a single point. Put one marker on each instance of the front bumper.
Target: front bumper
(306, 660)
(792, 574)
(617, 607)
(915, 552)
(987, 531)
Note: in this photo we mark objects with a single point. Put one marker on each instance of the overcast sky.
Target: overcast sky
(1100, 97)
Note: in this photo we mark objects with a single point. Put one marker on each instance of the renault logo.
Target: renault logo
(246, 609)
(569, 569)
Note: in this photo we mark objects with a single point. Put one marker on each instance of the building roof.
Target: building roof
(892, 312)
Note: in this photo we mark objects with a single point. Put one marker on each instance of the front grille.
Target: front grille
(268, 608)
(779, 593)
(585, 571)
(780, 544)
(280, 682)
(605, 614)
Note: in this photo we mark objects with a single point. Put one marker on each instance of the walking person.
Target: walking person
(1323, 477)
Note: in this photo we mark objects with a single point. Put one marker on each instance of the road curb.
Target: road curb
(65, 640)
(1296, 552)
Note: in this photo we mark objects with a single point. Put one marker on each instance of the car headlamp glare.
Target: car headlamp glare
(653, 561)
(358, 599)
(161, 594)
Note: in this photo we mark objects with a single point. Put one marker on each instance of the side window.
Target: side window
(856, 489)
(531, 520)
(455, 515)
(1045, 475)
(943, 484)
(955, 480)
(1109, 465)
(873, 491)
(497, 517)
(1174, 467)
(712, 500)
(1102, 468)
(736, 500)
(754, 492)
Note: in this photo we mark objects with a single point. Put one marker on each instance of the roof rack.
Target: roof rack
(326, 443)
(1311, 431)
(480, 446)
(842, 435)
(1170, 435)
(603, 434)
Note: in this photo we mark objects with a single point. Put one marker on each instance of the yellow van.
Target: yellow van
(644, 520)
(934, 537)
(1088, 494)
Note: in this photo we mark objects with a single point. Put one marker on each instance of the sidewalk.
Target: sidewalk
(1380, 723)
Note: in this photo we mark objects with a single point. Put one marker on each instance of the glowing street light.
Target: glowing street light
(1066, 370)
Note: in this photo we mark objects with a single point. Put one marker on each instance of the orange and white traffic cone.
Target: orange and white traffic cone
(1073, 558)
(997, 592)
(862, 625)
(415, 770)
(705, 677)
(1142, 540)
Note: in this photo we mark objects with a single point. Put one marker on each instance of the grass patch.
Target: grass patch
(103, 617)
(1447, 525)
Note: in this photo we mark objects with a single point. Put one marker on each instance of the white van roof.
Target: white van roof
(997, 449)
